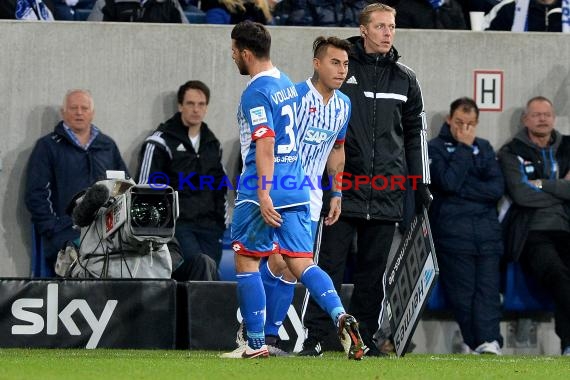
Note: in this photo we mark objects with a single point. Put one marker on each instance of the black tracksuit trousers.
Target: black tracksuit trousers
(546, 257)
(374, 239)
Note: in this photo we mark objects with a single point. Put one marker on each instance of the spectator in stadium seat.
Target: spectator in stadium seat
(319, 12)
(235, 11)
(27, 10)
(467, 183)
(536, 165)
(429, 14)
(63, 163)
(185, 149)
(159, 11)
(65, 9)
(538, 16)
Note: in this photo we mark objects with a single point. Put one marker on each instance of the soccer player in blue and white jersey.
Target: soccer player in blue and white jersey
(266, 212)
(322, 116)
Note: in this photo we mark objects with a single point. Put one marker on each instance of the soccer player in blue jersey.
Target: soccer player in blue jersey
(265, 210)
(322, 116)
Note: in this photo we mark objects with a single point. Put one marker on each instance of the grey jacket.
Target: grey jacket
(522, 161)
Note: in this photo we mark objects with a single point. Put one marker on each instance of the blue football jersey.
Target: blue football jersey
(320, 127)
(267, 109)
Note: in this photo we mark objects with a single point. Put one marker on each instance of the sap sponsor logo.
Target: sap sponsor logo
(315, 136)
(258, 115)
(36, 322)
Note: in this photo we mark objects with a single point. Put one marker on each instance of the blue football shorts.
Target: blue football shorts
(251, 236)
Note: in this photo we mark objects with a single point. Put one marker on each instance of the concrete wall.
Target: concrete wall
(133, 72)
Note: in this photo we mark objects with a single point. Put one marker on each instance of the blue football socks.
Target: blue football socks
(322, 290)
(270, 281)
(279, 295)
(251, 298)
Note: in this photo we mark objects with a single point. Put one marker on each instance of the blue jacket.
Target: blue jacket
(58, 169)
(466, 183)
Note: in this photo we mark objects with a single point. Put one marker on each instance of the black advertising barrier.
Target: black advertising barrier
(410, 278)
(212, 317)
(87, 313)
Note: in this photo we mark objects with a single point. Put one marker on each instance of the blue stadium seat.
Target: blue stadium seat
(38, 263)
(437, 300)
(195, 15)
(82, 14)
(523, 294)
(227, 269)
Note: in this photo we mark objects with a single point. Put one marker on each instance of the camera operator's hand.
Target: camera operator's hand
(423, 197)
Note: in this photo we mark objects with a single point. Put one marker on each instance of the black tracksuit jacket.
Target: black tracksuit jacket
(386, 134)
(169, 150)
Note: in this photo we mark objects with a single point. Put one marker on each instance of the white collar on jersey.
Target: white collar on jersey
(317, 93)
(273, 72)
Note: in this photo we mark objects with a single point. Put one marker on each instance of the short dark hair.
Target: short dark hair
(465, 104)
(193, 85)
(538, 99)
(252, 36)
(322, 43)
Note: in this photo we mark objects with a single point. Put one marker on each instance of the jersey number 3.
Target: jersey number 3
(288, 111)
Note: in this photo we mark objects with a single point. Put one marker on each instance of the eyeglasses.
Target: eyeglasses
(195, 105)
(537, 115)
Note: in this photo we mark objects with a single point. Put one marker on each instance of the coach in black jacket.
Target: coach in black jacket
(185, 154)
(386, 136)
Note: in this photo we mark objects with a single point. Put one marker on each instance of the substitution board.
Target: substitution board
(410, 278)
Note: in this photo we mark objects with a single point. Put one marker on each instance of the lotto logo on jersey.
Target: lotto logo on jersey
(258, 115)
(262, 132)
(315, 136)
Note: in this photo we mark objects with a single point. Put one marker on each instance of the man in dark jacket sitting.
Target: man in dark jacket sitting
(467, 183)
(68, 160)
(184, 153)
(536, 164)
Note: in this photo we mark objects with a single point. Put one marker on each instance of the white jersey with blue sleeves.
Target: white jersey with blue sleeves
(321, 126)
(267, 109)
